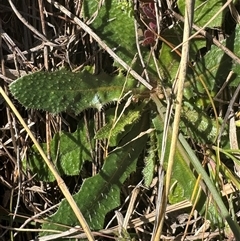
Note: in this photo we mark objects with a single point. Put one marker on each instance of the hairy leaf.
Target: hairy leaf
(101, 193)
(150, 160)
(116, 127)
(63, 90)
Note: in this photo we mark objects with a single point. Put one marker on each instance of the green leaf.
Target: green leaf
(114, 26)
(182, 186)
(116, 127)
(201, 127)
(213, 69)
(150, 160)
(169, 60)
(101, 193)
(68, 153)
(63, 90)
(204, 11)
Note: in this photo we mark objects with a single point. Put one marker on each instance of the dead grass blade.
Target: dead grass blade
(189, 10)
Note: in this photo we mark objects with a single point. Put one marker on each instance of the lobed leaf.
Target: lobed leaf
(101, 193)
